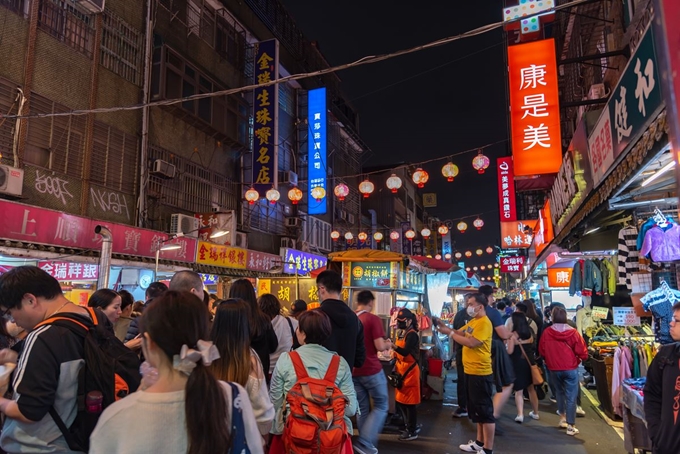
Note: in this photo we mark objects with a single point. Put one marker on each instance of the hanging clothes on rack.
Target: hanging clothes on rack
(621, 370)
(662, 246)
(585, 278)
(660, 303)
(608, 272)
(628, 255)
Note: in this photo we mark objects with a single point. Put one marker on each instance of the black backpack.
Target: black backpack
(110, 368)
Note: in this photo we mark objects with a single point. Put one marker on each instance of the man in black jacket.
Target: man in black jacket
(662, 393)
(347, 337)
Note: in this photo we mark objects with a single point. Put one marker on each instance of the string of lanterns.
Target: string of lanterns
(419, 177)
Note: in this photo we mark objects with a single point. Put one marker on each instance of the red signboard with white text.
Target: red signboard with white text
(512, 264)
(31, 224)
(506, 189)
(534, 108)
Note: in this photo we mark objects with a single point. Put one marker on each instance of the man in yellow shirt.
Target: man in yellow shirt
(475, 337)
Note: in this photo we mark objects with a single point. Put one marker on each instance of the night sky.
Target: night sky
(426, 105)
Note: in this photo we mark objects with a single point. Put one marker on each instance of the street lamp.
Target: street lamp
(173, 247)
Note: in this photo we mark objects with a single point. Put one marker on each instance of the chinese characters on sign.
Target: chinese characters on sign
(506, 189)
(559, 277)
(261, 261)
(298, 262)
(534, 108)
(514, 235)
(601, 148)
(625, 316)
(266, 108)
(369, 274)
(70, 271)
(316, 149)
(512, 264)
(219, 255)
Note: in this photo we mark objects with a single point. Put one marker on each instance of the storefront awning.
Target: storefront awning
(437, 265)
(366, 255)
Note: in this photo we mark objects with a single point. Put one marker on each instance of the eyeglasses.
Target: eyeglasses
(5, 314)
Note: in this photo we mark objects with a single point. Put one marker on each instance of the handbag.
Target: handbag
(396, 380)
(536, 375)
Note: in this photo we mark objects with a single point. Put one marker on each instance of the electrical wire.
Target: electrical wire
(362, 61)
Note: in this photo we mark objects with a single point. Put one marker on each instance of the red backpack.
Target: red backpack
(315, 422)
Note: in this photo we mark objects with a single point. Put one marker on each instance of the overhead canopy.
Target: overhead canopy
(459, 279)
(437, 265)
(365, 255)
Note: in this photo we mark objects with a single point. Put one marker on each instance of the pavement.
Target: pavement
(442, 434)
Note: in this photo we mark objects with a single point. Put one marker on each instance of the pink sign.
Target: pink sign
(601, 148)
(39, 225)
(70, 271)
(261, 261)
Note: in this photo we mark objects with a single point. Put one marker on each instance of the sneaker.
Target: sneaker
(553, 400)
(418, 428)
(360, 448)
(534, 415)
(471, 446)
(563, 424)
(460, 413)
(571, 430)
(580, 412)
(407, 436)
(519, 419)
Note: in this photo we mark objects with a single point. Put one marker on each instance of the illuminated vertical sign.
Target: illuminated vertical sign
(506, 189)
(534, 108)
(266, 110)
(316, 151)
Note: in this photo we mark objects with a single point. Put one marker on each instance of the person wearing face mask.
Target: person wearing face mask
(407, 349)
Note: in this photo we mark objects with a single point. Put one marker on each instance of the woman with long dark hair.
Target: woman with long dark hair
(108, 301)
(284, 327)
(522, 339)
(187, 409)
(262, 337)
(238, 362)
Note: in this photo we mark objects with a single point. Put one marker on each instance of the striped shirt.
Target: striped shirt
(629, 256)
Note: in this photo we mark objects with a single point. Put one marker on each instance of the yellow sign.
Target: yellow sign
(220, 255)
(430, 200)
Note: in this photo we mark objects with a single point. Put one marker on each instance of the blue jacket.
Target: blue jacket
(316, 360)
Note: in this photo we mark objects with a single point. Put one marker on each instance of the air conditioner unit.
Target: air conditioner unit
(91, 6)
(11, 180)
(163, 169)
(288, 177)
(288, 243)
(293, 222)
(350, 218)
(597, 91)
(184, 225)
(241, 240)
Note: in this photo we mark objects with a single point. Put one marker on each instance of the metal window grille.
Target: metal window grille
(63, 21)
(16, 6)
(114, 159)
(122, 48)
(7, 105)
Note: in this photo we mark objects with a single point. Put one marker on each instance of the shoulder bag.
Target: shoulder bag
(536, 375)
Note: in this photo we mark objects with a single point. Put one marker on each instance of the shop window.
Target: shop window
(66, 23)
(122, 48)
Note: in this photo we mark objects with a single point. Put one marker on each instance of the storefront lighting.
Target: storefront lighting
(420, 177)
(218, 234)
(443, 230)
(341, 191)
(252, 195)
(295, 195)
(335, 235)
(658, 173)
(450, 171)
(426, 233)
(318, 193)
(171, 247)
(410, 234)
(593, 230)
(362, 236)
(366, 188)
(393, 183)
(438, 256)
(394, 236)
(377, 236)
(273, 196)
(462, 227)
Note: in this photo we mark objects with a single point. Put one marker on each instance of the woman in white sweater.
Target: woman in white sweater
(238, 362)
(186, 410)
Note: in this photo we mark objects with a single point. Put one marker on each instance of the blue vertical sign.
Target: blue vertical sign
(316, 149)
(266, 109)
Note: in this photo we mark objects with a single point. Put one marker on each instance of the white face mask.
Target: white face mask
(471, 311)
(13, 329)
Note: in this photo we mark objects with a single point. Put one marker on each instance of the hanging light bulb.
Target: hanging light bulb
(480, 162)
(478, 223)
(482, 267)
(479, 252)
(393, 183)
(462, 226)
(349, 236)
(273, 196)
(426, 233)
(468, 254)
(420, 177)
(318, 193)
(295, 195)
(341, 191)
(252, 195)
(438, 256)
(366, 188)
(495, 265)
(468, 269)
(447, 256)
(475, 268)
(394, 235)
(489, 250)
(335, 235)
(450, 171)
(459, 255)
(410, 234)
(443, 230)
(377, 236)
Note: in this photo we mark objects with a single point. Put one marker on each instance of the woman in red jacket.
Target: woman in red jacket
(563, 349)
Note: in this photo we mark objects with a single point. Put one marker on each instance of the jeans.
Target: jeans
(370, 423)
(567, 388)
